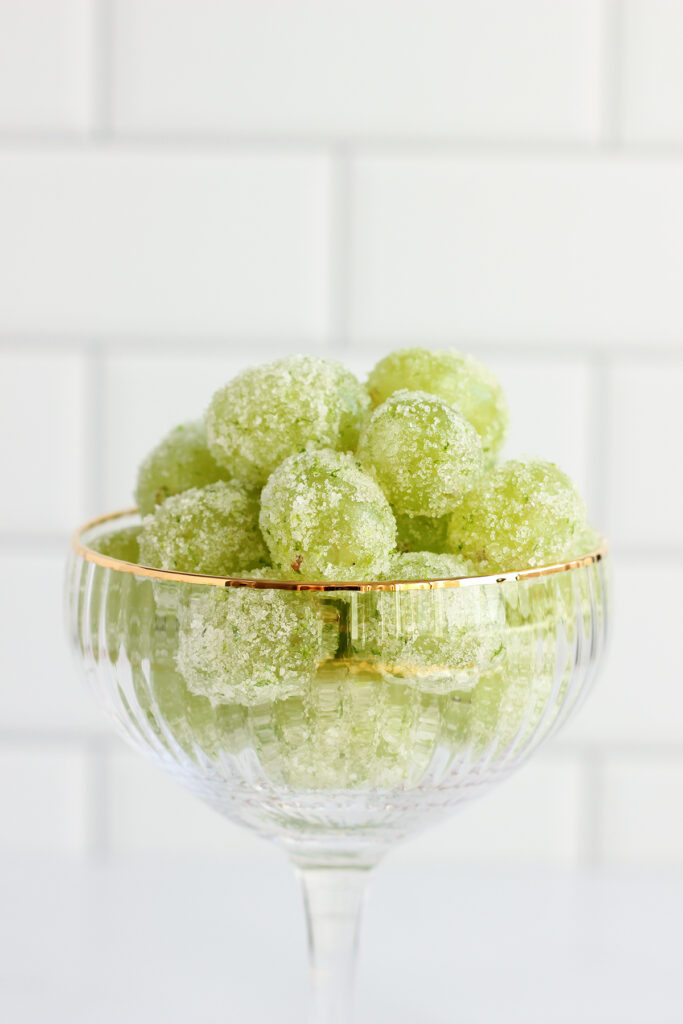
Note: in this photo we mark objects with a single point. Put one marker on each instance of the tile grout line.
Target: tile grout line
(97, 824)
(340, 249)
(94, 401)
(101, 77)
(102, 138)
(590, 838)
(109, 742)
(209, 344)
(97, 808)
(599, 442)
(611, 86)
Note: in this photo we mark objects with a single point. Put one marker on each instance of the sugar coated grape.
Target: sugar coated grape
(121, 544)
(525, 513)
(422, 533)
(426, 565)
(349, 729)
(321, 516)
(435, 640)
(245, 646)
(180, 461)
(272, 411)
(186, 725)
(586, 542)
(422, 453)
(464, 383)
(211, 529)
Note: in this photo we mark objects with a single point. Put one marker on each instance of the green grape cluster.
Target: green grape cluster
(525, 513)
(179, 462)
(212, 529)
(272, 411)
(322, 516)
(299, 472)
(422, 452)
(464, 383)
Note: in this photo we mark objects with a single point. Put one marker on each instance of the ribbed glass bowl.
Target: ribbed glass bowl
(335, 719)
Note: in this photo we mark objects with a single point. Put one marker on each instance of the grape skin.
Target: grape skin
(122, 544)
(422, 533)
(179, 462)
(422, 453)
(525, 513)
(211, 530)
(322, 517)
(349, 729)
(435, 641)
(249, 647)
(466, 384)
(275, 410)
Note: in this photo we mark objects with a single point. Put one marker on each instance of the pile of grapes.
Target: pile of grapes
(300, 472)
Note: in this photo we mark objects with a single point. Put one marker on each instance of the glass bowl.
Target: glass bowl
(334, 718)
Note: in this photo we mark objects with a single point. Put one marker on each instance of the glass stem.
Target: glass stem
(333, 898)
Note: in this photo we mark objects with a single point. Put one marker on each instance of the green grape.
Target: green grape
(211, 529)
(464, 383)
(275, 410)
(322, 517)
(422, 533)
(422, 453)
(179, 462)
(184, 723)
(122, 544)
(426, 565)
(586, 542)
(434, 640)
(348, 729)
(509, 699)
(251, 646)
(523, 514)
(546, 618)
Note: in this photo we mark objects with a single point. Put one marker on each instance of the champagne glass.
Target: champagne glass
(336, 719)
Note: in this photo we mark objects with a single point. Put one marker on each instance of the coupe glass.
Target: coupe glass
(335, 719)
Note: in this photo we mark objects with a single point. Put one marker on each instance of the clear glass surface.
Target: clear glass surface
(337, 723)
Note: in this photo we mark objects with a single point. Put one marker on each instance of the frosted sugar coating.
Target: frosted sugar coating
(525, 513)
(349, 729)
(248, 647)
(122, 544)
(437, 641)
(422, 452)
(426, 565)
(321, 516)
(211, 529)
(275, 410)
(466, 384)
(509, 700)
(179, 462)
(520, 694)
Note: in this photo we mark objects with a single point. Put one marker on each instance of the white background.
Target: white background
(190, 185)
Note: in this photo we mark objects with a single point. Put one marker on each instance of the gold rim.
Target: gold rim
(83, 551)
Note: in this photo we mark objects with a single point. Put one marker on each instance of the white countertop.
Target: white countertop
(206, 944)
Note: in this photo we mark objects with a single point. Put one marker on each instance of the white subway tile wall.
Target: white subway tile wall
(46, 65)
(653, 71)
(352, 68)
(179, 243)
(190, 185)
(512, 248)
